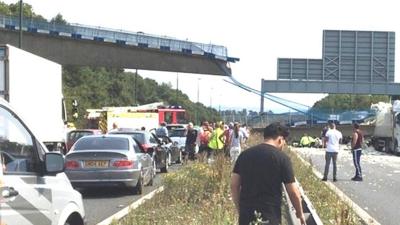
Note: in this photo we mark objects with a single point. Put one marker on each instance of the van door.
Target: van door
(24, 196)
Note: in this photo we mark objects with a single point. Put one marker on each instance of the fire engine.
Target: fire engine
(148, 116)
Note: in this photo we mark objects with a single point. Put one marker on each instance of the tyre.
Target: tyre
(154, 167)
(169, 159)
(151, 180)
(138, 189)
(179, 160)
(165, 168)
(396, 150)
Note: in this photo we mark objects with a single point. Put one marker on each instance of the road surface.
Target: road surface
(379, 193)
(100, 203)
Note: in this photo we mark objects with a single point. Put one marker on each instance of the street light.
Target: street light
(20, 24)
(198, 89)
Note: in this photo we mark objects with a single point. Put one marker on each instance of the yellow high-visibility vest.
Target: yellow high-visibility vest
(215, 142)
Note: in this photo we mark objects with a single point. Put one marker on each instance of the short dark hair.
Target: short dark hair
(356, 125)
(275, 130)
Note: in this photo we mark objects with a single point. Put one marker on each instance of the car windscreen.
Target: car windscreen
(177, 133)
(138, 136)
(102, 143)
(76, 135)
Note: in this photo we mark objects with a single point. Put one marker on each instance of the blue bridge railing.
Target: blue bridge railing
(121, 37)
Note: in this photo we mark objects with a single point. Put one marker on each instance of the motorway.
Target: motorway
(100, 203)
(378, 194)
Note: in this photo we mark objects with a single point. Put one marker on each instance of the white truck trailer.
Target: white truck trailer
(387, 127)
(33, 86)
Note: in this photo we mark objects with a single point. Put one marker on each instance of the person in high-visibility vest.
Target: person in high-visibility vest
(216, 142)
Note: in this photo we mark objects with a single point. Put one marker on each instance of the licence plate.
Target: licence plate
(96, 163)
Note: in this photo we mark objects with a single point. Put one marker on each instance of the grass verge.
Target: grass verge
(196, 194)
(199, 193)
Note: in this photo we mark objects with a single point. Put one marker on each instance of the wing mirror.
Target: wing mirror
(54, 162)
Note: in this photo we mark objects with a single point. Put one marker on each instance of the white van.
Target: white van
(33, 186)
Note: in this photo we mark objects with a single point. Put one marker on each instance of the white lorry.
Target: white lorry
(33, 187)
(386, 135)
(33, 86)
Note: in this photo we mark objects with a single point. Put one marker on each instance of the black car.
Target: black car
(151, 144)
(174, 151)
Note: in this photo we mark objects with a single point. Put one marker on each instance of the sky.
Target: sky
(256, 31)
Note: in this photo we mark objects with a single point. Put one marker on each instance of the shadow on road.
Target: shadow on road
(104, 192)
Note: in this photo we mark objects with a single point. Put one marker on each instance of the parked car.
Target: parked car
(178, 136)
(150, 143)
(171, 127)
(109, 160)
(174, 151)
(74, 135)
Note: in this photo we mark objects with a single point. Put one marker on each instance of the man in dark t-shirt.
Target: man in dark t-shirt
(190, 144)
(257, 179)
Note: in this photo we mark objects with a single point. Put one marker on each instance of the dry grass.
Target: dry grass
(196, 194)
(199, 193)
(329, 207)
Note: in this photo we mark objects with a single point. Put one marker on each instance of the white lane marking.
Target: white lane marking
(365, 217)
(123, 212)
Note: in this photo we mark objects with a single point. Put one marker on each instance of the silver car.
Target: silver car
(109, 160)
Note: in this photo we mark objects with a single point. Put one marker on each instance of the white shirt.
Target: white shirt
(235, 142)
(334, 137)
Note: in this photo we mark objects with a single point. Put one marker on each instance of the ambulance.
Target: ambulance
(33, 186)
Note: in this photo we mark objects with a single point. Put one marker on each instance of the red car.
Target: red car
(74, 135)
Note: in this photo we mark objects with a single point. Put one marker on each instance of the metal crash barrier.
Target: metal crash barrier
(310, 214)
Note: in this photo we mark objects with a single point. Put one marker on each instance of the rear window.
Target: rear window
(76, 135)
(102, 143)
(177, 133)
(138, 136)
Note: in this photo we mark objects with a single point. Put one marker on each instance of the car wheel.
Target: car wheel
(165, 168)
(396, 152)
(138, 189)
(151, 181)
(169, 162)
(179, 158)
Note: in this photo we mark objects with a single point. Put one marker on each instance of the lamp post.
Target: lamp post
(135, 96)
(198, 89)
(20, 24)
(211, 90)
(177, 87)
(198, 94)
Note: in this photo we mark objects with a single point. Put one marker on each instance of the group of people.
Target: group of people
(260, 171)
(332, 139)
(216, 138)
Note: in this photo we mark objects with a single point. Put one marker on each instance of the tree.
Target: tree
(342, 102)
(99, 87)
(58, 19)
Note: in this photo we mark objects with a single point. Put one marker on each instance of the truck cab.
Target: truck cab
(33, 186)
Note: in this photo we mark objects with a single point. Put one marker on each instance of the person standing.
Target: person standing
(204, 137)
(332, 141)
(162, 131)
(216, 142)
(356, 150)
(258, 174)
(235, 139)
(190, 144)
(323, 133)
(227, 139)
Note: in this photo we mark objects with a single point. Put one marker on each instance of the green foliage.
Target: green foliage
(58, 19)
(13, 10)
(198, 193)
(341, 102)
(330, 208)
(99, 87)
